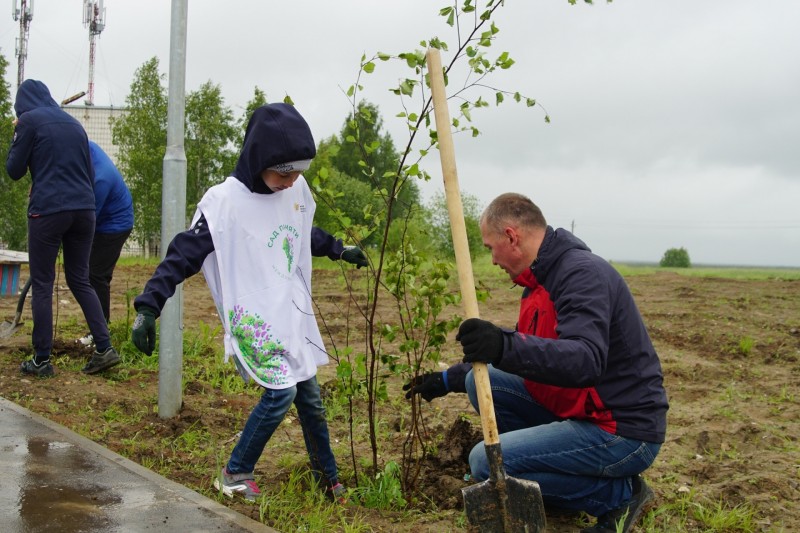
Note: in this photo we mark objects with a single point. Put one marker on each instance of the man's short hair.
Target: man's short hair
(513, 208)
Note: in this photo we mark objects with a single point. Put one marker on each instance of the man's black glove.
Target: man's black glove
(144, 330)
(429, 385)
(354, 255)
(481, 340)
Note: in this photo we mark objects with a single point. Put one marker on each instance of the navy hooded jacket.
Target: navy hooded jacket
(54, 146)
(276, 133)
(581, 344)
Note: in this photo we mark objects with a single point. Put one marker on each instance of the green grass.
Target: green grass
(687, 511)
(483, 269)
(482, 266)
(746, 345)
(299, 504)
(738, 273)
(384, 491)
(138, 261)
(721, 517)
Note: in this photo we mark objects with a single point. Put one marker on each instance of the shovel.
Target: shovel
(501, 503)
(8, 328)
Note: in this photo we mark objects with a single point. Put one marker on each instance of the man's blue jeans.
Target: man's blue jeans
(267, 416)
(578, 465)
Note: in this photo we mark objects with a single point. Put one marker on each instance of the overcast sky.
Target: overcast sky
(674, 123)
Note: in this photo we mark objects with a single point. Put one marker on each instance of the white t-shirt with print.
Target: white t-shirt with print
(260, 277)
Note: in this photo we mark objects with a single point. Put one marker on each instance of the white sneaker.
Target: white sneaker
(88, 340)
(243, 485)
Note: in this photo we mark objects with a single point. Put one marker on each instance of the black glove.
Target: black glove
(429, 385)
(481, 340)
(144, 330)
(354, 255)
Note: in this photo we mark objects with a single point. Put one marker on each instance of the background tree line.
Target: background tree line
(213, 136)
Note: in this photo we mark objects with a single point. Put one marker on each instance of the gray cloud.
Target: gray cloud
(673, 123)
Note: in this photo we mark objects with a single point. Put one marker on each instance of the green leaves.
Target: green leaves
(141, 135)
(13, 194)
(210, 135)
(486, 37)
(676, 258)
(450, 14)
(414, 59)
(504, 61)
(406, 87)
(465, 111)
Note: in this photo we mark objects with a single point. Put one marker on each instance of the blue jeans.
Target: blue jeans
(267, 416)
(578, 465)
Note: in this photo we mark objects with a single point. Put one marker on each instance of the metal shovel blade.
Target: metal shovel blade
(522, 510)
(8, 328)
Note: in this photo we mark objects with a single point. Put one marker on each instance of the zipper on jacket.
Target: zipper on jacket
(534, 323)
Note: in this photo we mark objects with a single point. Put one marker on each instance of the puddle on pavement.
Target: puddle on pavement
(48, 502)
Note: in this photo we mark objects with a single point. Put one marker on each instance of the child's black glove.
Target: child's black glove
(429, 385)
(144, 330)
(481, 341)
(354, 255)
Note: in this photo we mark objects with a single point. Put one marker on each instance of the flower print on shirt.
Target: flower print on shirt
(287, 236)
(264, 354)
(288, 249)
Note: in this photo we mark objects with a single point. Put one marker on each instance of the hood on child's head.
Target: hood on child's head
(32, 94)
(275, 134)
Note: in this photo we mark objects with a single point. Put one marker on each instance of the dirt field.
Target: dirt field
(730, 352)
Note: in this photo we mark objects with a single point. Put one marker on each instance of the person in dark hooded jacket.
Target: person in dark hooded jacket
(253, 238)
(577, 386)
(61, 212)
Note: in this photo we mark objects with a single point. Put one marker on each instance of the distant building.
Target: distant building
(96, 121)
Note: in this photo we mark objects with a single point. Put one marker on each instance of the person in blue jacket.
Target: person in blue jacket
(577, 385)
(253, 238)
(113, 225)
(61, 213)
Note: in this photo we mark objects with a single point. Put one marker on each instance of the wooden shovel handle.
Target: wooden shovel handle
(459, 230)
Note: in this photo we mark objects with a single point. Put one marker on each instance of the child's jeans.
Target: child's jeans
(577, 464)
(267, 416)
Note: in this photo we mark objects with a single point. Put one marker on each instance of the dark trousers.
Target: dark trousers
(74, 231)
(106, 249)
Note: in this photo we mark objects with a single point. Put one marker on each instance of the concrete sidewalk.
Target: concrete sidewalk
(56, 480)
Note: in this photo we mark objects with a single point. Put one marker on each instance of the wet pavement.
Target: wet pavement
(55, 480)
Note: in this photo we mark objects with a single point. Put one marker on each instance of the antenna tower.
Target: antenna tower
(94, 17)
(22, 10)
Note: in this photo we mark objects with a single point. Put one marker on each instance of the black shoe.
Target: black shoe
(628, 513)
(101, 361)
(43, 370)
